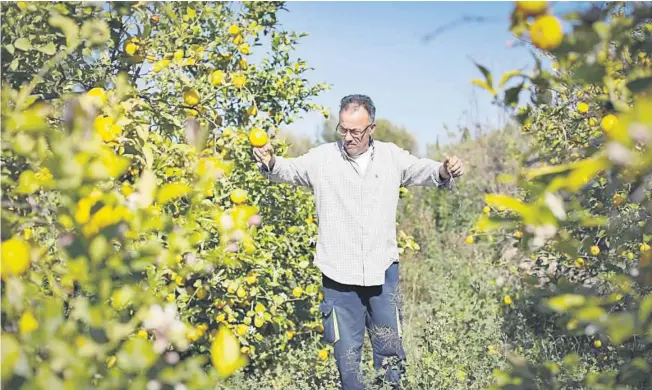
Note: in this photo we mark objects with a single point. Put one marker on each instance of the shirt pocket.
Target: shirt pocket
(329, 318)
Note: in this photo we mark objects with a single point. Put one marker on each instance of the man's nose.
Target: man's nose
(348, 137)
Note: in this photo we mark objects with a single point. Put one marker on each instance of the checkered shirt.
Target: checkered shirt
(356, 213)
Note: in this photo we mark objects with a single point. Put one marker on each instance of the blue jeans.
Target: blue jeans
(347, 311)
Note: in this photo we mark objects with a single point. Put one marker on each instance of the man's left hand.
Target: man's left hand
(452, 166)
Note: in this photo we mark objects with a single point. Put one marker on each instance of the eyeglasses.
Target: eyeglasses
(354, 132)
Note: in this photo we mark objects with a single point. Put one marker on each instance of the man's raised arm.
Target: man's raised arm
(295, 171)
(417, 171)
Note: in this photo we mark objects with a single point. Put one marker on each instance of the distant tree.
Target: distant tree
(297, 144)
(385, 131)
(466, 134)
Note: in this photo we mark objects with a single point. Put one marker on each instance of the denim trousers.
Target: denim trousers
(347, 311)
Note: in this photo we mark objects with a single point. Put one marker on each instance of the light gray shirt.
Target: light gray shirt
(356, 211)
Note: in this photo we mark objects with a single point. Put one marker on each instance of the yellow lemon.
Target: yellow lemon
(251, 279)
(242, 329)
(191, 97)
(98, 95)
(597, 343)
(518, 234)
(225, 353)
(238, 196)
(486, 210)
(252, 111)
(241, 293)
(608, 122)
(234, 29)
(142, 334)
(469, 239)
(217, 77)
(593, 122)
(15, 257)
(201, 293)
(579, 262)
(110, 362)
(130, 48)
(27, 323)
(546, 32)
(239, 80)
(259, 321)
(323, 354)
(595, 250)
(644, 247)
(244, 48)
(582, 107)
(531, 8)
(258, 137)
(297, 292)
(508, 300)
(178, 55)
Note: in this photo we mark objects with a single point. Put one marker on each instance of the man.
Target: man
(356, 184)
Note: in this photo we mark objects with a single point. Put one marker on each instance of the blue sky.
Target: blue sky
(376, 48)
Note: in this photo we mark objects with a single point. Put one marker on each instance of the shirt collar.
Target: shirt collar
(345, 155)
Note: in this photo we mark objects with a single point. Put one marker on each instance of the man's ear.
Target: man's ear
(372, 129)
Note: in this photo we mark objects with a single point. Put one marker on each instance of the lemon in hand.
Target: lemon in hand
(258, 137)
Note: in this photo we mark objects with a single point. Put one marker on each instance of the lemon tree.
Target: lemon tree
(141, 247)
(583, 204)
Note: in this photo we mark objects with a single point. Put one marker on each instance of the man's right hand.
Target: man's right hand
(265, 155)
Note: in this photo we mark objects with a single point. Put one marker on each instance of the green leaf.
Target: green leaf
(487, 75)
(591, 221)
(562, 303)
(136, 354)
(512, 94)
(23, 44)
(69, 28)
(591, 313)
(645, 308)
(171, 191)
(10, 48)
(620, 327)
(602, 29)
(28, 183)
(507, 76)
(148, 155)
(48, 49)
(640, 85)
(484, 85)
(590, 74)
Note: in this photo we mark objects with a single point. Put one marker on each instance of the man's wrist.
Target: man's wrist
(443, 173)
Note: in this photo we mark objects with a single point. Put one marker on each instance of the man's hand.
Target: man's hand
(452, 166)
(265, 155)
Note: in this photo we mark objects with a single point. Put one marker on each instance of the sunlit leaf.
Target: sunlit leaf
(620, 326)
(69, 28)
(23, 44)
(172, 191)
(564, 302)
(225, 353)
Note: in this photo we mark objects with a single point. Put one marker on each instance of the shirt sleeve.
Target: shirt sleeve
(295, 170)
(417, 171)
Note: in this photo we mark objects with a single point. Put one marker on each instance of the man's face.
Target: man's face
(355, 122)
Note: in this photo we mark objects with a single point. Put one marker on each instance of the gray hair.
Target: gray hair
(356, 101)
